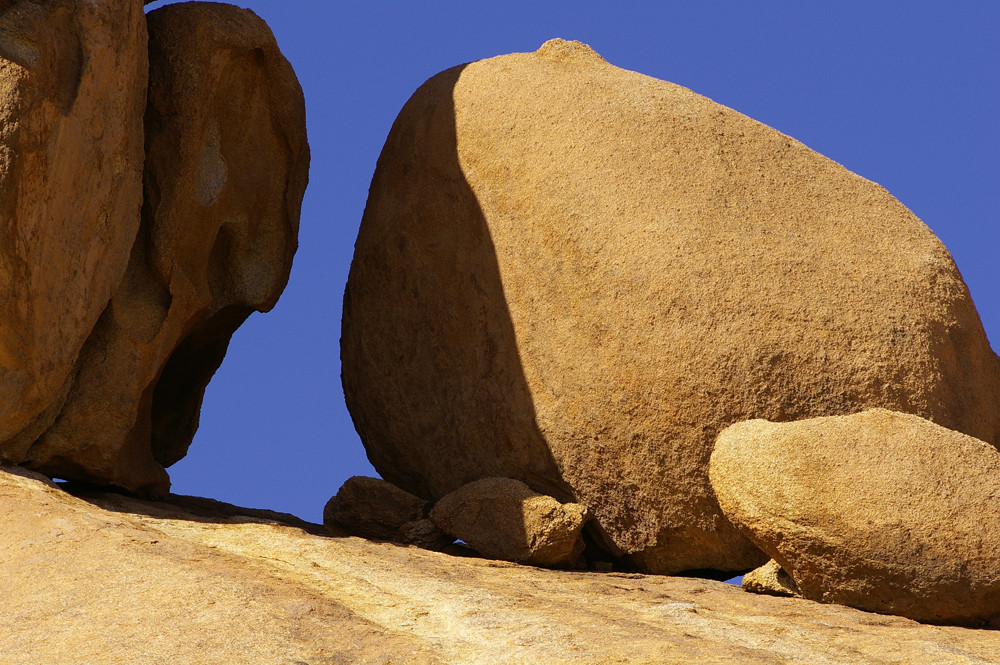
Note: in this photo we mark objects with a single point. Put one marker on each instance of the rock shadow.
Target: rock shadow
(188, 508)
(431, 369)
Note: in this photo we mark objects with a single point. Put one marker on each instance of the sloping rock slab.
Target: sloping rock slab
(112, 579)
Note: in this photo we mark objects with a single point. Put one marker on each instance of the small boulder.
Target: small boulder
(504, 519)
(373, 508)
(882, 511)
(770, 579)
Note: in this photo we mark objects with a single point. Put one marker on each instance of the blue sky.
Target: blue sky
(904, 93)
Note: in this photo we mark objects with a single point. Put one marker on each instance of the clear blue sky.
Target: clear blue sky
(904, 93)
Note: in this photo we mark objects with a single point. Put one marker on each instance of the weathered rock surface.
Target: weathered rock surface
(424, 533)
(119, 580)
(576, 276)
(373, 508)
(226, 168)
(502, 518)
(72, 93)
(770, 578)
(879, 510)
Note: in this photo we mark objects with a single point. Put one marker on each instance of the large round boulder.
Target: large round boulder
(576, 276)
(882, 511)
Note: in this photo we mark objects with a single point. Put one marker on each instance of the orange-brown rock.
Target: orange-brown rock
(424, 533)
(72, 93)
(576, 276)
(502, 518)
(226, 168)
(771, 579)
(110, 580)
(373, 508)
(882, 511)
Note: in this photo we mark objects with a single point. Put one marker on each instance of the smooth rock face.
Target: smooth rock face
(502, 518)
(373, 508)
(880, 510)
(72, 93)
(576, 276)
(120, 580)
(225, 172)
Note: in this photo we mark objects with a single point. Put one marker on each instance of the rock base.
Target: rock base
(124, 580)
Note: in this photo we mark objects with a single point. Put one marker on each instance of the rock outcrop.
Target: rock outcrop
(373, 508)
(118, 580)
(502, 518)
(225, 171)
(577, 276)
(72, 93)
(880, 510)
